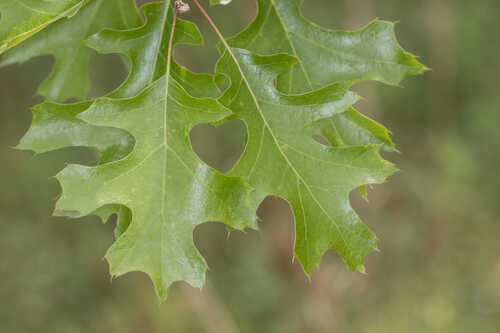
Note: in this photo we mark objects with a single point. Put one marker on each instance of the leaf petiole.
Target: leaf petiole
(170, 44)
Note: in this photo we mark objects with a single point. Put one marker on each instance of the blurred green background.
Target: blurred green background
(437, 219)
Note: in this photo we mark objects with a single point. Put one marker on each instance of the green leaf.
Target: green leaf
(282, 158)
(330, 56)
(20, 20)
(351, 128)
(65, 40)
(146, 51)
(161, 191)
(168, 189)
(56, 126)
(159, 188)
(325, 56)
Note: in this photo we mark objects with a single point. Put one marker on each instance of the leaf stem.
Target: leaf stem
(169, 60)
(171, 42)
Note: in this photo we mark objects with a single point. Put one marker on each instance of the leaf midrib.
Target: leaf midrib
(158, 50)
(266, 124)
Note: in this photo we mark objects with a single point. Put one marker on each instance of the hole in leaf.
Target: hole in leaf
(107, 72)
(239, 264)
(277, 214)
(219, 146)
(211, 239)
(278, 234)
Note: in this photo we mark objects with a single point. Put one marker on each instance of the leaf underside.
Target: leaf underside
(285, 77)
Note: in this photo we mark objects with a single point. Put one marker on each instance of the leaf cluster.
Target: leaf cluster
(287, 79)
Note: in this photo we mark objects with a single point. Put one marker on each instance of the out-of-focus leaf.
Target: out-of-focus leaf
(65, 41)
(20, 20)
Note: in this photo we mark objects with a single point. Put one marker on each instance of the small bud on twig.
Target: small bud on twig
(181, 7)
